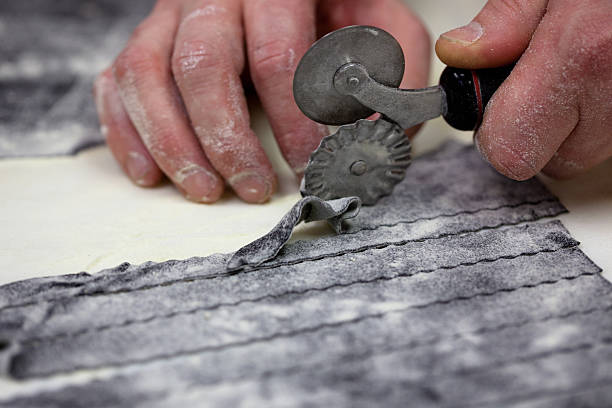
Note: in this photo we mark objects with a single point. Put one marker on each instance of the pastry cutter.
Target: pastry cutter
(354, 72)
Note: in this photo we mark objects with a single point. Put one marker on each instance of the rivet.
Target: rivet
(353, 82)
(359, 168)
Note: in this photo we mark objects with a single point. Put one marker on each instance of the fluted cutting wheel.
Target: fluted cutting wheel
(365, 159)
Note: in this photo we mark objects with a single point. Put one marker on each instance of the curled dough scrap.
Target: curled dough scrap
(308, 209)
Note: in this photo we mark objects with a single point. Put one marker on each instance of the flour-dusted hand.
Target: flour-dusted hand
(173, 101)
(554, 113)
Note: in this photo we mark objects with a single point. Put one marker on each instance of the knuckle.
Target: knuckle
(196, 55)
(587, 41)
(135, 60)
(592, 54)
(208, 11)
(272, 58)
(143, 30)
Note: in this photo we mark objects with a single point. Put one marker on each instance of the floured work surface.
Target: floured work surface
(445, 294)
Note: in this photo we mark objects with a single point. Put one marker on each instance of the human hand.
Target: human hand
(554, 112)
(173, 102)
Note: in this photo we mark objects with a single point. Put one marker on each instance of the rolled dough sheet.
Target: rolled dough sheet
(508, 324)
(455, 297)
(69, 214)
(51, 52)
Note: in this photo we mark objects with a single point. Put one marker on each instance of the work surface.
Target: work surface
(446, 293)
(66, 215)
(459, 289)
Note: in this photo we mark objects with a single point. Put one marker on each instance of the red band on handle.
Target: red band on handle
(476, 80)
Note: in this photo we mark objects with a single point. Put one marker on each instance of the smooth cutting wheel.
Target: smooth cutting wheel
(313, 84)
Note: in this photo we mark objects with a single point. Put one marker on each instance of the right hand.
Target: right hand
(554, 112)
(173, 103)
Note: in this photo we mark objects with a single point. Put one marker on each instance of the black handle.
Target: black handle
(468, 92)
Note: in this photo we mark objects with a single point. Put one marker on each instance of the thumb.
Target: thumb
(497, 36)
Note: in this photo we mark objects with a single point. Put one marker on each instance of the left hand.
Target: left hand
(173, 102)
(554, 112)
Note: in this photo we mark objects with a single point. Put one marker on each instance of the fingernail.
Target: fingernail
(251, 187)
(137, 168)
(465, 35)
(200, 187)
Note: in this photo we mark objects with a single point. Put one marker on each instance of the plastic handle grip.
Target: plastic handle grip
(468, 92)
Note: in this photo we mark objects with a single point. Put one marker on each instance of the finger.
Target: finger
(394, 17)
(497, 36)
(207, 61)
(121, 137)
(278, 33)
(534, 110)
(149, 95)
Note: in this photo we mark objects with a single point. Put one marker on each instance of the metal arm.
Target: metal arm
(406, 107)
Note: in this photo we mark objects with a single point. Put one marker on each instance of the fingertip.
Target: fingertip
(466, 47)
(456, 48)
(198, 184)
(253, 187)
(466, 35)
(504, 158)
(497, 36)
(142, 170)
